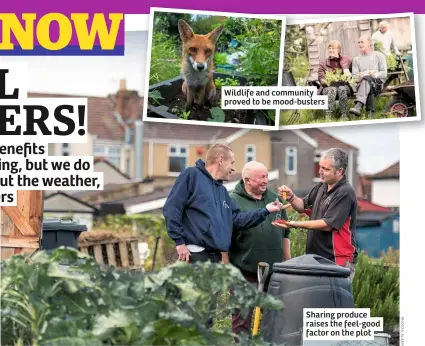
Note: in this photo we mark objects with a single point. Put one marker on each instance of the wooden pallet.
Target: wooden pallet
(122, 253)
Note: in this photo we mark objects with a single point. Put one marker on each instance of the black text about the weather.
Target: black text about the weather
(45, 165)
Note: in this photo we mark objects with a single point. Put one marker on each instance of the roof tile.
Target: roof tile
(391, 172)
(103, 124)
(326, 141)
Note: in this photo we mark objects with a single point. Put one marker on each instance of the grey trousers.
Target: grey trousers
(365, 95)
(363, 91)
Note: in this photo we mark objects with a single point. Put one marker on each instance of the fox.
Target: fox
(197, 64)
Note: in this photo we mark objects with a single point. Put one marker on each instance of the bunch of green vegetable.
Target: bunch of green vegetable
(378, 46)
(392, 63)
(220, 82)
(337, 77)
(220, 58)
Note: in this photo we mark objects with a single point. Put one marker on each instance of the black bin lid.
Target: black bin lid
(311, 265)
(63, 225)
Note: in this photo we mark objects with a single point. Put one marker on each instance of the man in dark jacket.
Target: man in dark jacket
(200, 216)
(263, 242)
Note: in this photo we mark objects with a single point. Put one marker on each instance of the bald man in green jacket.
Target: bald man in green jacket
(263, 243)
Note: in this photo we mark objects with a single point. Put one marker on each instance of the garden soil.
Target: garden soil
(204, 114)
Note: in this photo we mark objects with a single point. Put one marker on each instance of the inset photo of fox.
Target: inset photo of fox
(193, 54)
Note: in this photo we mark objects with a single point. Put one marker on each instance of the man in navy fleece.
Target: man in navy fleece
(200, 216)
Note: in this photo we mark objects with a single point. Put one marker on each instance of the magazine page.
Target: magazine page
(211, 174)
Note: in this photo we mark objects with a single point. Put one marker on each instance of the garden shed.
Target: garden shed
(21, 225)
(377, 232)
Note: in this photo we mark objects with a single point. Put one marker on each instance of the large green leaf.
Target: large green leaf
(218, 115)
(105, 324)
(65, 298)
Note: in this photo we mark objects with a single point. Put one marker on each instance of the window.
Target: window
(112, 153)
(127, 166)
(291, 161)
(177, 158)
(396, 226)
(317, 156)
(250, 153)
(66, 150)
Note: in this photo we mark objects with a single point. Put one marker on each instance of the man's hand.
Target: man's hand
(372, 73)
(225, 258)
(362, 74)
(285, 192)
(282, 223)
(317, 225)
(183, 252)
(274, 207)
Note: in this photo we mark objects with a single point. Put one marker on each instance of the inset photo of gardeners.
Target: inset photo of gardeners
(193, 54)
(365, 65)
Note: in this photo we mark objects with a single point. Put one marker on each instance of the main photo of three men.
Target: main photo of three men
(209, 224)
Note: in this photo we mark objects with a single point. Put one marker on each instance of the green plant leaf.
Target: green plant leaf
(68, 341)
(155, 94)
(104, 324)
(217, 114)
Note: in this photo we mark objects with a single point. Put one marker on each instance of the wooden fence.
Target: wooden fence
(345, 32)
(20, 225)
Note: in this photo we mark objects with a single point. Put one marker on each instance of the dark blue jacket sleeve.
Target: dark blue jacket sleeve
(246, 220)
(174, 208)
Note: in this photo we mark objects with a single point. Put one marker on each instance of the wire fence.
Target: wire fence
(360, 343)
(380, 340)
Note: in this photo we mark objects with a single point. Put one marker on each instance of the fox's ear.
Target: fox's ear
(215, 34)
(186, 32)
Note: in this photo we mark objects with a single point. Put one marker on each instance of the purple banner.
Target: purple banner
(254, 7)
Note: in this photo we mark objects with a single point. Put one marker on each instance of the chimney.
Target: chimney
(120, 101)
(122, 84)
(128, 103)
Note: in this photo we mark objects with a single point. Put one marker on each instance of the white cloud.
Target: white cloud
(378, 144)
(89, 75)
